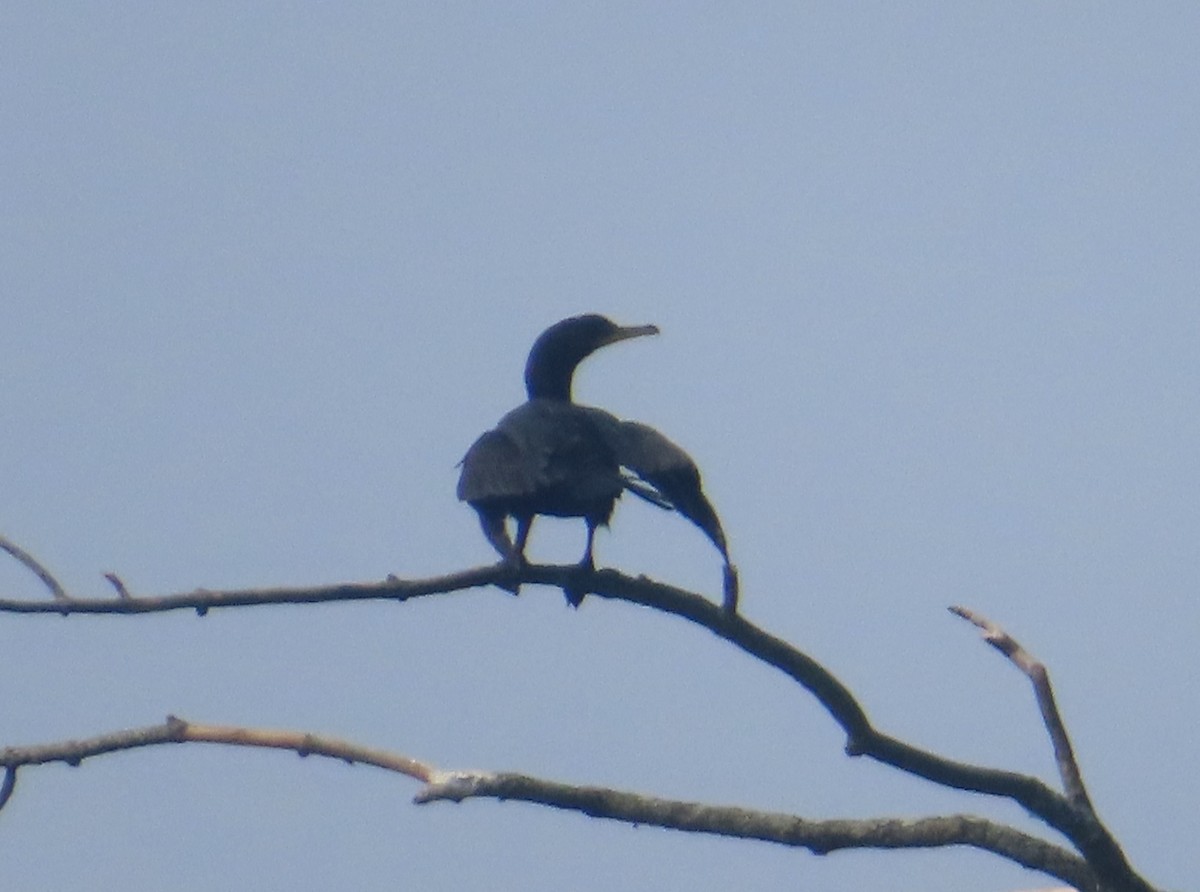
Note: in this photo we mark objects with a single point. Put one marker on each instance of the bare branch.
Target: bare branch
(1079, 825)
(32, 564)
(820, 837)
(116, 582)
(1064, 755)
(203, 600)
(1094, 840)
(176, 730)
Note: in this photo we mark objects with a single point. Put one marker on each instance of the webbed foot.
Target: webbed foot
(576, 587)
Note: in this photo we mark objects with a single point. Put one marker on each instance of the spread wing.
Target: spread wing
(671, 473)
(660, 472)
(666, 476)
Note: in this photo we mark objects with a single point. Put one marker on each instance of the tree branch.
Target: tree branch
(1079, 824)
(820, 837)
(31, 563)
(177, 730)
(1103, 848)
(1035, 670)
(117, 583)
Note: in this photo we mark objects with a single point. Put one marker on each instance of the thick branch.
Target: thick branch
(1079, 824)
(820, 837)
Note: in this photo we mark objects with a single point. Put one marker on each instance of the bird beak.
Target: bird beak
(626, 332)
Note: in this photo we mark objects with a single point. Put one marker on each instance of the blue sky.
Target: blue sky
(926, 277)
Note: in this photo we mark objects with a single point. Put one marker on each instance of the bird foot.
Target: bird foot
(511, 581)
(576, 587)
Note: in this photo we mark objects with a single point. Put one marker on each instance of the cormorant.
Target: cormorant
(551, 456)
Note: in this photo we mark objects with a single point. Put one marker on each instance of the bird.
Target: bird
(553, 457)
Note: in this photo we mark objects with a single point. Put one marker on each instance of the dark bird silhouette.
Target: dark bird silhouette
(551, 456)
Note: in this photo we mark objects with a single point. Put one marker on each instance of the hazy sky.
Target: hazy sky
(927, 281)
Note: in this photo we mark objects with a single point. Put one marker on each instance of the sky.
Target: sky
(926, 280)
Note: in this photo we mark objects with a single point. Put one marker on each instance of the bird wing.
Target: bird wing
(546, 452)
(665, 475)
(672, 472)
(493, 468)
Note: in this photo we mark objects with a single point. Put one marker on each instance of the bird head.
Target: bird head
(561, 347)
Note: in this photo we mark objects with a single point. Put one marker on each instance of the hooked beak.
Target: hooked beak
(626, 332)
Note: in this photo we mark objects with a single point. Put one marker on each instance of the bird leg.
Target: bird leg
(496, 530)
(524, 525)
(730, 601)
(573, 592)
(588, 563)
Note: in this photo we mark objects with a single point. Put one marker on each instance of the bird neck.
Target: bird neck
(560, 390)
(548, 374)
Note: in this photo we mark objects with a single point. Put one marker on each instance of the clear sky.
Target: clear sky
(927, 282)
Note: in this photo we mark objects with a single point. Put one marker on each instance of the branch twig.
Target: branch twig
(1035, 670)
(32, 564)
(1092, 838)
(119, 584)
